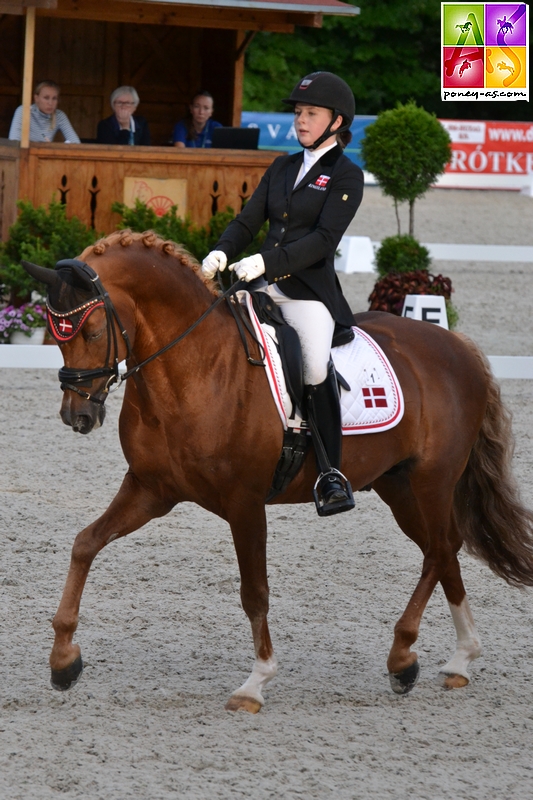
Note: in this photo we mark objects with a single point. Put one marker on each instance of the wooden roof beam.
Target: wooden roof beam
(19, 6)
(184, 16)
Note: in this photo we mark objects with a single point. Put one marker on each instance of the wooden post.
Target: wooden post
(27, 80)
(238, 79)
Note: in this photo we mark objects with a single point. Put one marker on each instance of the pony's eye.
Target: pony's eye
(92, 337)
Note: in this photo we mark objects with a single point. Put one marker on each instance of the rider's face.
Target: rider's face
(310, 122)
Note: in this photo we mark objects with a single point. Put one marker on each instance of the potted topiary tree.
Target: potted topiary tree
(406, 149)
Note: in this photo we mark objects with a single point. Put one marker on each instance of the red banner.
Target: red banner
(489, 154)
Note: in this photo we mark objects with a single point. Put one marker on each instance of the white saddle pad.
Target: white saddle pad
(375, 400)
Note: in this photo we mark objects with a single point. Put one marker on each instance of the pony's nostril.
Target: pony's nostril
(82, 424)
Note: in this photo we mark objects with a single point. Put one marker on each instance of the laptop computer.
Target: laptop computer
(235, 138)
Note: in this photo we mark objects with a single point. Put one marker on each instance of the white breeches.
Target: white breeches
(315, 326)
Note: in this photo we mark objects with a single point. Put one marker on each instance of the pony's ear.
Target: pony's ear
(42, 274)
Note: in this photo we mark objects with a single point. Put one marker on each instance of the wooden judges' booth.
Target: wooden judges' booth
(167, 50)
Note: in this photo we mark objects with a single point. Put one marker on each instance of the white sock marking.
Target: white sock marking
(262, 673)
(468, 644)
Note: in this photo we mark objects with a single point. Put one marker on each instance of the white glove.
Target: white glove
(250, 268)
(215, 261)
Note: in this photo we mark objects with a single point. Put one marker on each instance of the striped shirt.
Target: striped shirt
(41, 128)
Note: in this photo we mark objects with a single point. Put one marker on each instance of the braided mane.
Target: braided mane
(149, 239)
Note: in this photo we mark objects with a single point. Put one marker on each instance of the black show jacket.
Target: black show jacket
(306, 226)
(109, 132)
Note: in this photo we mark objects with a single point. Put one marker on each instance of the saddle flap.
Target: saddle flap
(288, 341)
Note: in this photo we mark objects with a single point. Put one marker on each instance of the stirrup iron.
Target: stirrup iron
(345, 501)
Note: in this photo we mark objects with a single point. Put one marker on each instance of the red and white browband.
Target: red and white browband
(65, 325)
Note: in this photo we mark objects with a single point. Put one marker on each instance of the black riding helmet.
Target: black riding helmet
(326, 90)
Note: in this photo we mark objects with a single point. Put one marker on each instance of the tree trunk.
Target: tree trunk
(397, 216)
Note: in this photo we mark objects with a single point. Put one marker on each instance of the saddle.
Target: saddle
(296, 441)
(289, 346)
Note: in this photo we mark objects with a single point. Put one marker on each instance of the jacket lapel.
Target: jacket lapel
(293, 168)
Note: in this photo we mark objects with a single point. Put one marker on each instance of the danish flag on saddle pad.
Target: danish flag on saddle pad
(322, 180)
(375, 397)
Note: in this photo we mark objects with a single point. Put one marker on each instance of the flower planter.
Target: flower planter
(36, 337)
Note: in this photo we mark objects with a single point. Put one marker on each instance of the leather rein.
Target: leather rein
(70, 378)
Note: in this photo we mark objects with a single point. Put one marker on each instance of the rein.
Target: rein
(69, 377)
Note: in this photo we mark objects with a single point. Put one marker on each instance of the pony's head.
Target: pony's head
(83, 321)
(95, 331)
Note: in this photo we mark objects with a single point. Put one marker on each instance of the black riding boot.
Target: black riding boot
(332, 492)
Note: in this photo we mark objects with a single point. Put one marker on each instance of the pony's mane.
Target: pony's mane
(149, 239)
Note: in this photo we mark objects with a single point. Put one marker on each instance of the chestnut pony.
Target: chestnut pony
(198, 424)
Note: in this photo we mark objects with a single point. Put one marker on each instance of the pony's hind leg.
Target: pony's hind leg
(454, 674)
(131, 508)
(249, 532)
(421, 505)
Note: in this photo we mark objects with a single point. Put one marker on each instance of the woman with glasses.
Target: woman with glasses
(123, 126)
(196, 129)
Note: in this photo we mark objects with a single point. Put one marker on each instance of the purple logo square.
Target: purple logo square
(505, 24)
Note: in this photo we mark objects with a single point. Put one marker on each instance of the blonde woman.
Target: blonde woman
(45, 119)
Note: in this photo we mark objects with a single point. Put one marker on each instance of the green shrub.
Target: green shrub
(390, 291)
(401, 253)
(44, 236)
(197, 239)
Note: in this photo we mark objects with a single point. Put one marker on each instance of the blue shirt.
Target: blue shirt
(202, 139)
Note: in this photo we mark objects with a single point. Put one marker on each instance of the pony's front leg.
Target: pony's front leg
(132, 507)
(249, 536)
(402, 662)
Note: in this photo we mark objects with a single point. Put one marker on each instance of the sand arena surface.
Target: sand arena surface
(165, 641)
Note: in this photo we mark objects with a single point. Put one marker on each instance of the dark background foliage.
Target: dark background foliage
(389, 53)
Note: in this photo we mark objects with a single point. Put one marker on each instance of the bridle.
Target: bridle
(70, 378)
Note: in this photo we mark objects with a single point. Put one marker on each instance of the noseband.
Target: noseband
(63, 330)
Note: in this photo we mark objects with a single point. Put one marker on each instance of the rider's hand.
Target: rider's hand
(250, 268)
(214, 262)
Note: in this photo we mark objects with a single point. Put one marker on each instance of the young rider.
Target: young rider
(309, 200)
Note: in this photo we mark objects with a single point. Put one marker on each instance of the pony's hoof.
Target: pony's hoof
(403, 682)
(63, 679)
(450, 680)
(242, 703)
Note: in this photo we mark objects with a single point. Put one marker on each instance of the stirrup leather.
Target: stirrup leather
(345, 502)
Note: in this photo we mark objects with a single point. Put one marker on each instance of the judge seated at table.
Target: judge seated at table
(123, 126)
(196, 129)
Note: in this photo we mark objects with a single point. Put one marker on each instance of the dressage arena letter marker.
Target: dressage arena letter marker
(426, 308)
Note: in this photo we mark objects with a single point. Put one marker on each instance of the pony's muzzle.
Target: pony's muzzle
(82, 416)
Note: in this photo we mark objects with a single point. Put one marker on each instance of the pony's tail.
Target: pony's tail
(495, 525)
